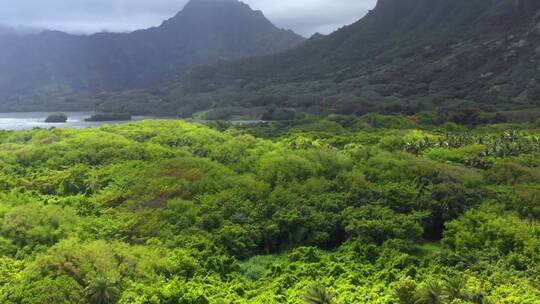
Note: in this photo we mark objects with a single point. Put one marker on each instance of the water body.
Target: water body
(26, 120)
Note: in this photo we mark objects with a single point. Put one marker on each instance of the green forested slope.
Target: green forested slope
(405, 56)
(356, 210)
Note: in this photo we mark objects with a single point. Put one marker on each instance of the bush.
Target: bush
(280, 114)
(460, 155)
(512, 173)
(109, 117)
(377, 224)
(30, 225)
(387, 121)
(392, 143)
(56, 118)
(284, 168)
(480, 229)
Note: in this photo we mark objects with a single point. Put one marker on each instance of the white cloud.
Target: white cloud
(86, 16)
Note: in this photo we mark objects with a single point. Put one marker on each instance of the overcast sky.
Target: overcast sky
(306, 17)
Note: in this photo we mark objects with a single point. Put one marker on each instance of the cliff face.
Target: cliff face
(394, 9)
(395, 26)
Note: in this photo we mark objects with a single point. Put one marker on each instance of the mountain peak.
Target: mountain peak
(212, 7)
(451, 51)
(204, 32)
(195, 3)
(223, 16)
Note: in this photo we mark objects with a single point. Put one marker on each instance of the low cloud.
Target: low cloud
(87, 16)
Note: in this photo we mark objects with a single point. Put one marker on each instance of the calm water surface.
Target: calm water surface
(24, 121)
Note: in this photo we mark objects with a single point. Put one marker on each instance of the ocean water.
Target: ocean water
(30, 120)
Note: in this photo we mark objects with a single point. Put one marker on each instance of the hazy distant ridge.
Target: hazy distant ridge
(205, 31)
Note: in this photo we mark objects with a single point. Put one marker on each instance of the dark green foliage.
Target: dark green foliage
(101, 291)
(109, 117)
(56, 118)
(430, 293)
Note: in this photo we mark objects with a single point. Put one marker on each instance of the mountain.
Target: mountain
(5, 30)
(404, 56)
(42, 64)
(18, 30)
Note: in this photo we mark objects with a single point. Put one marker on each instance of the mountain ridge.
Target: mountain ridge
(54, 61)
(402, 57)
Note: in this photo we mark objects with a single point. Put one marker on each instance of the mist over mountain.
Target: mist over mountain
(18, 30)
(403, 57)
(205, 31)
(4, 30)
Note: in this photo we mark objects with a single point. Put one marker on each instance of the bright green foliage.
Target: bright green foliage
(174, 212)
(317, 294)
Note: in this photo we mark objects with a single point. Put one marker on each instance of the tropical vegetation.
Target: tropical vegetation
(372, 209)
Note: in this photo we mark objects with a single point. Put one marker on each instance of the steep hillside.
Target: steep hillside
(404, 56)
(205, 31)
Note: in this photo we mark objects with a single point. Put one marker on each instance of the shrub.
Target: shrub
(376, 224)
(460, 155)
(56, 118)
(109, 117)
(392, 143)
(33, 225)
(512, 173)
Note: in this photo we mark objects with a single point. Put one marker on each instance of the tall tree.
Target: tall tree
(405, 291)
(455, 288)
(431, 293)
(101, 291)
(318, 294)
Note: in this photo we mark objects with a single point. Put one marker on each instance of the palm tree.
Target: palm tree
(101, 291)
(431, 293)
(318, 294)
(454, 288)
(478, 298)
(404, 290)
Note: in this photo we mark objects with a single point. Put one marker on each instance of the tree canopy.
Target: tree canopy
(181, 212)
